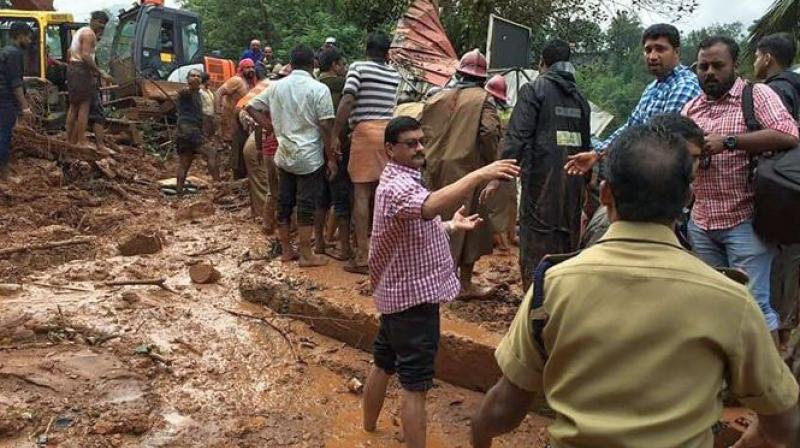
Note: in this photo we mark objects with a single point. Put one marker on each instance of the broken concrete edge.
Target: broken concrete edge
(462, 360)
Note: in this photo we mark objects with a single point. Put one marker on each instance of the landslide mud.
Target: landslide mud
(84, 364)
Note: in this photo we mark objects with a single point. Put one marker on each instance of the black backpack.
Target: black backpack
(777, 185)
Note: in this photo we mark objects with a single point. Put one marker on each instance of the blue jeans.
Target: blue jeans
(8, 118)
(740, 248)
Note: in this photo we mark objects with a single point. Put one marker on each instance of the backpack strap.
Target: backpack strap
(749, 109)
(538, 317)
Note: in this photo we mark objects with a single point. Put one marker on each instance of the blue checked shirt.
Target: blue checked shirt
(660, 97)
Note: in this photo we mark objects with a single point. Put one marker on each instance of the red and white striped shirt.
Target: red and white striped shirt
(409, 257)
(724, 195)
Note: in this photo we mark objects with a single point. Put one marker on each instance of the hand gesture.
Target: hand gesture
(465, 223)
(582, 163)
(500, 170)
(489, 191)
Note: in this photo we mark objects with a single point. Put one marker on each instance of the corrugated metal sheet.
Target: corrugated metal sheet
(421, 46)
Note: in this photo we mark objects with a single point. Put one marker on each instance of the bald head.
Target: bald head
(649, 173)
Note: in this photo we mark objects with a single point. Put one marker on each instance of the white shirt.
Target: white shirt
(207, 96)
(297, 105)
(75, 46)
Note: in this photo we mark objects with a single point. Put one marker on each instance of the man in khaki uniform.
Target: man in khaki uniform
(633, 340)
(462, 130)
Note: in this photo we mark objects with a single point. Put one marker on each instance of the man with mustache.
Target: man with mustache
(721, 230)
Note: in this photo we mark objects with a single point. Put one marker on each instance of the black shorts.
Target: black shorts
(407, 343)
(188, 138)
(97, 115)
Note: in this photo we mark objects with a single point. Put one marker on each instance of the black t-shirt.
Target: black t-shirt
(190, 108)
(11, 70)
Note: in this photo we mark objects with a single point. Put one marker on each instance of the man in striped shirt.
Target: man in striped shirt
(367, 104)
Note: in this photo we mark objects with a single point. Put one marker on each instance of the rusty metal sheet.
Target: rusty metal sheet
(33, 5)
(421, 46)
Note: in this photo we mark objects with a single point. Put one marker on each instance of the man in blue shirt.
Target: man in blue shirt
(12, 93)
(254, 52)
(674, 86)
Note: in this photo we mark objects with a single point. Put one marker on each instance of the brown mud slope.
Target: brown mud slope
(88, 362)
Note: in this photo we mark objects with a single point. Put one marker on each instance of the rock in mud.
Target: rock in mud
(10, 289)
(141, 244)
(196, 211)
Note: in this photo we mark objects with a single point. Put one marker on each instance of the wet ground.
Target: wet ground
(88, 364)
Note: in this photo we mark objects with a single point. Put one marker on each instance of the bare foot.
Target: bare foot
(312, 261)
(337, 254)
(355, 269)
(474, 292)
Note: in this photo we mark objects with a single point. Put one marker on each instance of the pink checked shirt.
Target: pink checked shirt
(409, 257)
(723, 193)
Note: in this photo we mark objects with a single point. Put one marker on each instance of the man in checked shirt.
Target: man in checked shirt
(674, 86)
(412, 271)
(721, 229)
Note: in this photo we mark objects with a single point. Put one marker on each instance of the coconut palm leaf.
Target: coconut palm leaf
(782, 17)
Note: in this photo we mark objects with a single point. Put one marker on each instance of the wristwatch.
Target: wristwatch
(729, 143)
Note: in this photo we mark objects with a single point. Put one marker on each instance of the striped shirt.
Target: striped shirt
(409, 256)
(374, 85)
(724, 197)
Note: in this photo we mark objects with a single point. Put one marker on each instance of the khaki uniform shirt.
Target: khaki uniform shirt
(640, 336)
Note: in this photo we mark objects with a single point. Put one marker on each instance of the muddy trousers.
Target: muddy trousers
(8, 118)
(534, 245)
(256, 177)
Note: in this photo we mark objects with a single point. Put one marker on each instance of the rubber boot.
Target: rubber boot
(287, 251)
(307, 257)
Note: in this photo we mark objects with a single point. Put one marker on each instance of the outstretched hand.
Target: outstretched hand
(489, 191)
(465, 223)
(500, 170)
(582, 163)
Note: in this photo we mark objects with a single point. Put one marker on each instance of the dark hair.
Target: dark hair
(733, 47)
(302, 57)
(204, 77)
(681, 125)
(662, 30)
(19, 29)
(101, 16)
(554, 51)
(649, 171)
(781, 46)
(378, 44)
(193, 70)
(327, 57)
(397, 126)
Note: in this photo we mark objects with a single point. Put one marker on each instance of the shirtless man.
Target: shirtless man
(83, 85)
(228, 95)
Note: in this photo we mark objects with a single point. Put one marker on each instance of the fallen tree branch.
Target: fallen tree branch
(209, 251)
(268, 323)
(68, 288)
(160, 282)
(43, 246)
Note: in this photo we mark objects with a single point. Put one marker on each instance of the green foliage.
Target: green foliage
(691, 40)
(782, 17)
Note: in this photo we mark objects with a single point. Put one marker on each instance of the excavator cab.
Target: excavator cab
(154, 41)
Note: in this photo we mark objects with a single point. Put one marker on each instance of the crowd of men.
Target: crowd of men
(633, 339)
